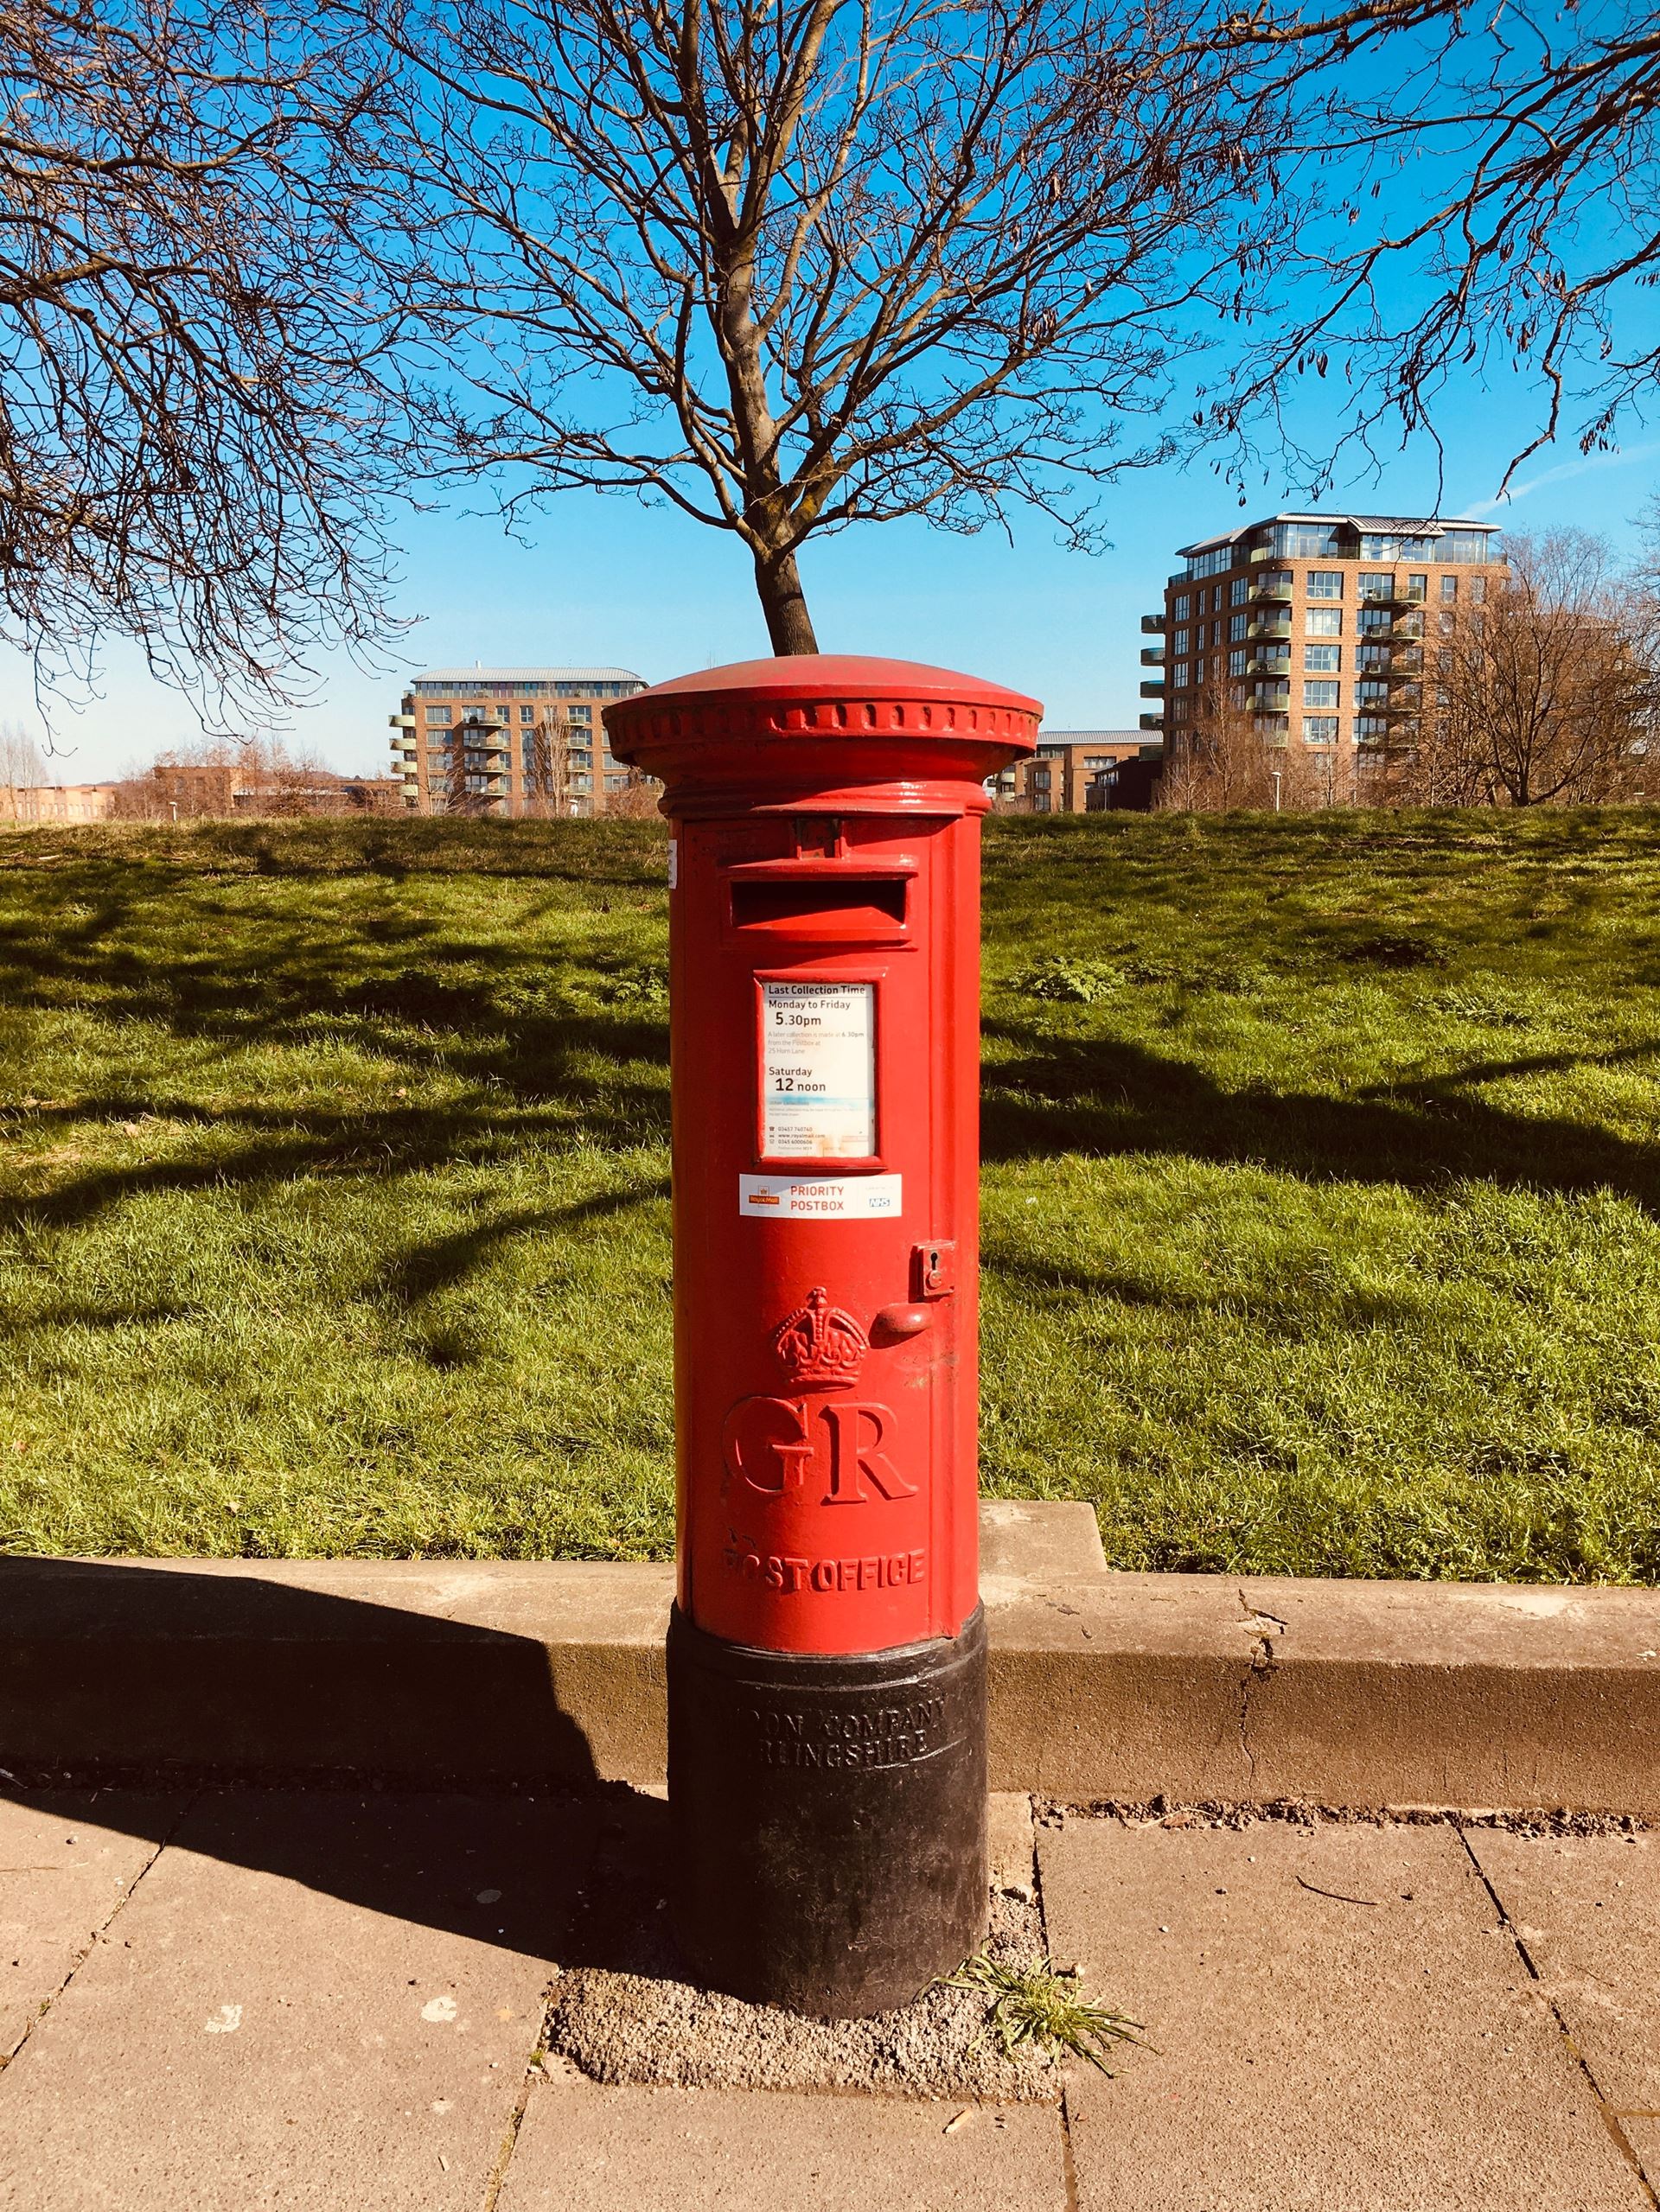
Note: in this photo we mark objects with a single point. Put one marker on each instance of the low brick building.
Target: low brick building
(1058, 777)
(22, 806)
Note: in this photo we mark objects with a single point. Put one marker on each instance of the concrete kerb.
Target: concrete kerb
(1104, 1686)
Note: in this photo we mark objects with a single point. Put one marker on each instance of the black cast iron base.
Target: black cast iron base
(829, 1817)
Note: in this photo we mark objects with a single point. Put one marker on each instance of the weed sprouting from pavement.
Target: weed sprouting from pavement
(1042, 2008)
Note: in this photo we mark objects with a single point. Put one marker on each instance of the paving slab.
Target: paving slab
(322, 2001)
(1587, 1908)
(584, 2148)
(67, 1860)
(1342, 2023)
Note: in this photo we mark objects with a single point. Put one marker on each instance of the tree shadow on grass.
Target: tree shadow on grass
(1104, 1096)
(531, 1019)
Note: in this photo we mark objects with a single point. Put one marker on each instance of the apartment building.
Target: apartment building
(510, 740)
(1314, 632)
(1057, 779)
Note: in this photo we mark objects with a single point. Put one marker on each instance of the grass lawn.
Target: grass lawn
(1322, 1189)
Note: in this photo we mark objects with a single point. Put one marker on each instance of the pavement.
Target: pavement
(225, 1999)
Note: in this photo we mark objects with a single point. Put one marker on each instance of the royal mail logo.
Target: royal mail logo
(820, 1343)
(765, 1198)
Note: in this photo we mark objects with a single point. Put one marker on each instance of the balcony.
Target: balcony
(400, 722)
(1152, 722)
(1153, 689)
(1152, 626)
(1269, 664)
(1264, 627)
(1275, 590)
(1405, 661)
(1153, 656)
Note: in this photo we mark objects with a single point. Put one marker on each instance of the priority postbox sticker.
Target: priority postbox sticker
(820, 1197)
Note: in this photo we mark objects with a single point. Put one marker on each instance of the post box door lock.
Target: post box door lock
(934, 1268)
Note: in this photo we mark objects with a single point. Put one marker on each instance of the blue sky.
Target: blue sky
(608, 580)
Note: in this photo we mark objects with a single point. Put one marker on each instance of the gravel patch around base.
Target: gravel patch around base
(624, 2011)
(647, 2026)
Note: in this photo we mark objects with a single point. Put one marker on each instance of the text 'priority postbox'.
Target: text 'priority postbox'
(826, 1653)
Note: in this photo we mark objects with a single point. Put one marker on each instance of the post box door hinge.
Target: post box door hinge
(934, 1266)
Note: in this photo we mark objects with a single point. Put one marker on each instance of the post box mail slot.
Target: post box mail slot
(819, 907)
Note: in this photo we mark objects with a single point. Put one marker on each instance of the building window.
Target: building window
(1375, 621)
(1238, 591)
(1326, 658)
(1378, 583)
(1239, 626)
(1040, 802)
(527, 714)
(1320, 729)
(1325, 584)
(1370, 729)
(437, 714)
(1449, 589)
(1372, 694)
(1303, 541)
(580, 714)
(1184, 606)
(1182, 640)
(1181, 675)
(1323, 621)
(1320, 694)
(1236, 661)
(1211, 562)
(1479, 589)
(1040, 778)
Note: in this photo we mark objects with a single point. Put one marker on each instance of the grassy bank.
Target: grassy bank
(1322, 1175)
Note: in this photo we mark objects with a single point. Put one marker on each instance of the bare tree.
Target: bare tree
(637, 799)
(1233, 749)
(547, 766)
(197, 414)
(1499, 172)
(790, 265)
(1546, 692)
(21, 764)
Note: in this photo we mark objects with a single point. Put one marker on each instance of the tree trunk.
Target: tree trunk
(785, 603)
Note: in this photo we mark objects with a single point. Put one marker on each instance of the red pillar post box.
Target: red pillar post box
(827, 1650)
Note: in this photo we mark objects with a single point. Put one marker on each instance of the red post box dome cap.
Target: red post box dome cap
(832, 731)
(828, 676)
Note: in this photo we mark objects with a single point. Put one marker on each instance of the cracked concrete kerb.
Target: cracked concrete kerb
(1262, 1662)
(1104, 1686)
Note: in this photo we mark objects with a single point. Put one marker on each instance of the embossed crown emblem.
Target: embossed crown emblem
(820, 1342)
